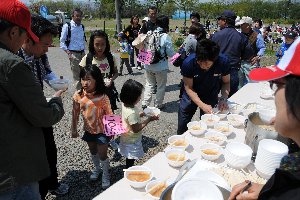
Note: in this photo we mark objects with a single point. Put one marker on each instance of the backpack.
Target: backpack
(68, 39)
(152, 44)
(112, 92)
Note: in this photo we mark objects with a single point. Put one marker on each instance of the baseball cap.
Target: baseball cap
(17, 13)
(244, 20)
(227, 14)
(289, 64)
(146, 19)
(290, 34)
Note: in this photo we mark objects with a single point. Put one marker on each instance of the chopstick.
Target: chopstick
(130, 170)
(249, 184)
(159, 185)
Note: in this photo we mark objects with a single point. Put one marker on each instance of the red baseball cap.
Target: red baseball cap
(17, 13)
(289, 64)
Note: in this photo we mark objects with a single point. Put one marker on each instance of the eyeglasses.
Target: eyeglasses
(277, 84)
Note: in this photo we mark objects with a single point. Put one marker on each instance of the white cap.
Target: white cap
(146, 19)
(244, 20)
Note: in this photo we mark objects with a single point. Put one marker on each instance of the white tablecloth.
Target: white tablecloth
(250, 93)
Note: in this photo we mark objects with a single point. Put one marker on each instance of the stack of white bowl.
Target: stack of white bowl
(269, 155)
(238, 155)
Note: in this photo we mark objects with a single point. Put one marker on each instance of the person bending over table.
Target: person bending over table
(285, 79)
(204, 73)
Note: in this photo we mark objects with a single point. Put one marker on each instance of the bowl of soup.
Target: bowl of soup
(178, 141)
(210, 119)
(176, 157)
(210, 151)
(215, 137)
(196, 128)
(224, 127)
(138, 176)
(155, 188)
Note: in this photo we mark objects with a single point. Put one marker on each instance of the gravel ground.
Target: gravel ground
(74, 164)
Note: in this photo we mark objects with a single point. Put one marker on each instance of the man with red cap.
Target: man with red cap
(284, 79)
(24, 110)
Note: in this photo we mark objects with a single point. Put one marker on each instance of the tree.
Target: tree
(118, 15)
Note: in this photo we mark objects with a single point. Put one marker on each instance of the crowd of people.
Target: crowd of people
(213, 69)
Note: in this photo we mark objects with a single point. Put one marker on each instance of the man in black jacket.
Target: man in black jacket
(24, 110)
(34, 54)
(233, 44)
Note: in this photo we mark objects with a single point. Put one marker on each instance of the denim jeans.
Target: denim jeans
(136, 52)
(187, 109)
(155, 78)
(234, 81)
(22, 192)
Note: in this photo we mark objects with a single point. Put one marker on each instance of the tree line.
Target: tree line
(279, 9)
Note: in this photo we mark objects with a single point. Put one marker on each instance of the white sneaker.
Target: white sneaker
(95, 174)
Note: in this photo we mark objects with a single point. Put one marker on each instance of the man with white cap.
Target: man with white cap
(284, 78)
(258, 49)
(24, 110)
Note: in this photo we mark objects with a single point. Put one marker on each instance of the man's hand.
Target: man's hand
(59, 93)
(207, 109)
(251, 194)
(223, 105)
(255, 60)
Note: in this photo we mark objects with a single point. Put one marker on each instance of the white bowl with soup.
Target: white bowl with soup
(176, 157)
(138, 176)
(196, 128)
(210, 119)
(178, 142)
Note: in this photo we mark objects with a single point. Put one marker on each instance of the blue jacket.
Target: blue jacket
(233, 44)
(281, 51)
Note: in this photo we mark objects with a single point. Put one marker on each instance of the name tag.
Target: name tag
(113, 125)
(144, 57)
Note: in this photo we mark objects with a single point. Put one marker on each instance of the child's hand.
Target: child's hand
(154, 117)
(142, 114)
(74, 134)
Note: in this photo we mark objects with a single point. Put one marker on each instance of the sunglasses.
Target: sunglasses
(277, 84)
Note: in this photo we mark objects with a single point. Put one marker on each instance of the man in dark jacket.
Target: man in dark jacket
(34, 54)
(151, 24)
(233, 44)
(24, 110)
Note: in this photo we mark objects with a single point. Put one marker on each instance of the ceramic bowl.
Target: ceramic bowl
(210, 119)
(176, 157)
(215, 137)
(210, 151)
(236, 120)
(197, 128)
(178, 142)
(143, 170)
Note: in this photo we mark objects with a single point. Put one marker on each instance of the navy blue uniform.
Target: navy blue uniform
(207, 85)
(236, 46)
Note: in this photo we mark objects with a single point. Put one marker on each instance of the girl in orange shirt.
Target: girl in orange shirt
(93, 103)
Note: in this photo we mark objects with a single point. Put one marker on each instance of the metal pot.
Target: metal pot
(256, 130)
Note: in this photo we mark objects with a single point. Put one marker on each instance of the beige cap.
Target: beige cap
(139, 41)
(244, 20)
